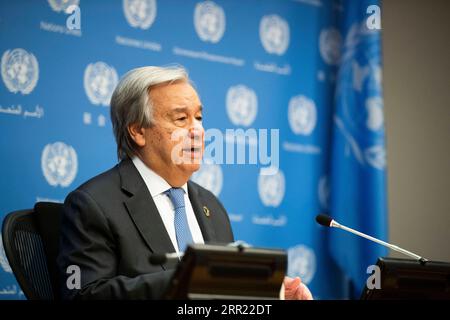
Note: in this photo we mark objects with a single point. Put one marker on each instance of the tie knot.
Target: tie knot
(176, 195)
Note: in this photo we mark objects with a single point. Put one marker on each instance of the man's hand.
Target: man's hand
(294, 289)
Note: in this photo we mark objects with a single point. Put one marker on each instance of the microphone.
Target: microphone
(160, 258)
(327, 221)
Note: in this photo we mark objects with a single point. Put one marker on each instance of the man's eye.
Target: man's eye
(199, 118)
(181, 119)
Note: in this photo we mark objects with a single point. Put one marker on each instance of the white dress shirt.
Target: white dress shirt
(157, 187)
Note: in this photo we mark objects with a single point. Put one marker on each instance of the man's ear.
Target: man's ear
(137, 133)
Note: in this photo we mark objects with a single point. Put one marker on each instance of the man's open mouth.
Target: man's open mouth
(193, 150)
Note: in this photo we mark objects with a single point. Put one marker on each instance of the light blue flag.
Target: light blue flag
(358, 164)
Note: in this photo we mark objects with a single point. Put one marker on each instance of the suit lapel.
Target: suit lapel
(143, 211)
(205, 222)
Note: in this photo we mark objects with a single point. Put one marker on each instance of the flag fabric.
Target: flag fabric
(358, 160)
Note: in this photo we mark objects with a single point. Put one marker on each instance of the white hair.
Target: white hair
(130, 102)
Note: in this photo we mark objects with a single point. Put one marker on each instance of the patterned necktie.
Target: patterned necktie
(183, 233)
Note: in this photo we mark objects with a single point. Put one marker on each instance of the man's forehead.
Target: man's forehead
(175, 97)
(177, 89)
(176, 109)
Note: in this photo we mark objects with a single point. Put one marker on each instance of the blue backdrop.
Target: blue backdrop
(309, 68)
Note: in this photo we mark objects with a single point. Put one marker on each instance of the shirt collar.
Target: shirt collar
(155, 183)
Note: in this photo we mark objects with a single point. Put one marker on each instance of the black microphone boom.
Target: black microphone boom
(327, 221)
(324, 220)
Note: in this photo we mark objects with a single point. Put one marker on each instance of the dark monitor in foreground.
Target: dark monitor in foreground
(411, 279)
(227, 272)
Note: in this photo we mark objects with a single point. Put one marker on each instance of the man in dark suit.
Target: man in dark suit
(146, 204)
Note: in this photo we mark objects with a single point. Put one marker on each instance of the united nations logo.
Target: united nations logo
(100, 80)
(20, 71)
(209, 177)
(330, 44)
(242, 105)
(271, 188)
(301, 263)
(360, 80)
(274, 34)
(62, 5)
(209, 21)
(59, 164)
(140, 13)
(3, 260)
(302, 115)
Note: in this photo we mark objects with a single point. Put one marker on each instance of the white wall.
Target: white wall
(417, 111)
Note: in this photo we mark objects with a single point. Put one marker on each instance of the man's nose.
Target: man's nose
(196, 131)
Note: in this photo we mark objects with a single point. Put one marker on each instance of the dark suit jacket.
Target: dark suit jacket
(111, 227)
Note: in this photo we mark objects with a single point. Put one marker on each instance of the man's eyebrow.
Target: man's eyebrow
(178, 110)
